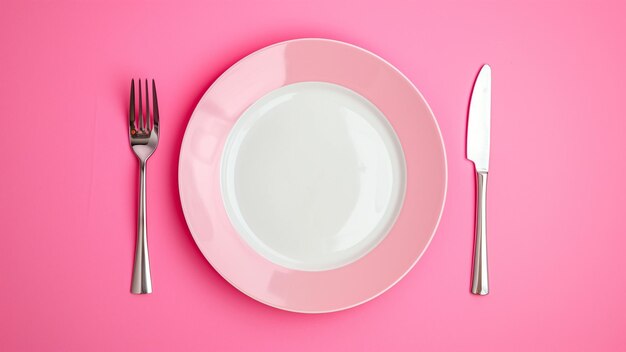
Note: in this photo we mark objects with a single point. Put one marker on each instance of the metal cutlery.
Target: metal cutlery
(478, 140)
(144, 138)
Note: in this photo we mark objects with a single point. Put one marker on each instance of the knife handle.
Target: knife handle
(480, 278)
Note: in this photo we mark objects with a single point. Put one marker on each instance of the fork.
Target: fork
(144, 138)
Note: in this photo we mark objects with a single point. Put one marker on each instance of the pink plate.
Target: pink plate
(279, 65)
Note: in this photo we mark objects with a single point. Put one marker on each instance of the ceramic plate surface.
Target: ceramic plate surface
(312, 175)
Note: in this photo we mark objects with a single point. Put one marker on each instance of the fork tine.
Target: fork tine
(131, 113)
(141, 117)
(147, 126)
(155, 108)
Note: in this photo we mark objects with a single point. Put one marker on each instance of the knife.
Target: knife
(478, 138)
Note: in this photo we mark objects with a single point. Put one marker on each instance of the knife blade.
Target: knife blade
(478, 143)
(479, 124)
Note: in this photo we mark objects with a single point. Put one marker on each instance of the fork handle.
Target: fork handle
(480, 278)
(142, 282)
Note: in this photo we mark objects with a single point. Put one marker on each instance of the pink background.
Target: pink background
(68, 193)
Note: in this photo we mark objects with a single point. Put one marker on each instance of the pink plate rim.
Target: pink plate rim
(277, 65)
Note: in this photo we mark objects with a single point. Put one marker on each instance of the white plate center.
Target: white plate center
(313, 176)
